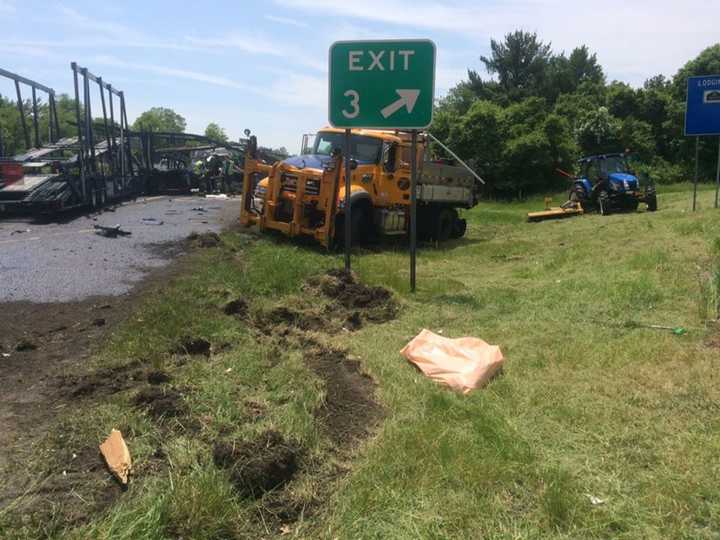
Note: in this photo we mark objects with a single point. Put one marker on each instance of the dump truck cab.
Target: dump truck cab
(305, 194)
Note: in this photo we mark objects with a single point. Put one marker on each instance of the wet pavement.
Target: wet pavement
(61, 262)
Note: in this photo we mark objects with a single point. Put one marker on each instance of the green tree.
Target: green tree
(599, 132)
(520, 63)
(160, 119)
(215, 132)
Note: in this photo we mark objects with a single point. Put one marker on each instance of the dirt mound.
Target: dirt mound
(107, 381)
(376, 303)
(258, 466)
(349, 411)
(157, 376)
(205, 240)
(237, 307)
(303, 320)
(193, 346)
(161, 402)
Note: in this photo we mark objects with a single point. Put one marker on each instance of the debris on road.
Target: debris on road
(110, 232)
(463, 364)
(25, 345)
(117, 456)
(152, 221)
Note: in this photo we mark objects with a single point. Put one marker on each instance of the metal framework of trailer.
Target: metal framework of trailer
(119, 152)
(53, 124)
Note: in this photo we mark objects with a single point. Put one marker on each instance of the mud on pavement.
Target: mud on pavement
(45, 349)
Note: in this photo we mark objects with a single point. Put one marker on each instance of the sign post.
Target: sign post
(717, 177)
(382, 84)
(702, 118)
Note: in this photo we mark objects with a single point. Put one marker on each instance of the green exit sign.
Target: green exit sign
(387, 84)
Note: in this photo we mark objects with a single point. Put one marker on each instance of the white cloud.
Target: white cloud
(634, 40)
(286, 20)
(172, 72)
(259, 45)
(295, 89)
(73, 18)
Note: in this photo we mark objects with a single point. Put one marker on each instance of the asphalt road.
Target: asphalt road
(62, 262)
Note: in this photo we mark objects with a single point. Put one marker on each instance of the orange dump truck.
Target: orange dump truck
(305, 194)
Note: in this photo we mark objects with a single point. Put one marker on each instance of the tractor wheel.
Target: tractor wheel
(652, 203)
(443, 224)
(604, 203)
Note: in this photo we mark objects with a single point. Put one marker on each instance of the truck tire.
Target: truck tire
(443, 224)
(604, 203)
(459, 228)
(358, 226)
(652, 203)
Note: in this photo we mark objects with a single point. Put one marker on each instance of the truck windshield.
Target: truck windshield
(363, 149)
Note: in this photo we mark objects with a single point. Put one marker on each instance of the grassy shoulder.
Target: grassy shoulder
(590, 406)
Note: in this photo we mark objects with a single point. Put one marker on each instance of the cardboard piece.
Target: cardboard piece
(462, 364)
(117, 455)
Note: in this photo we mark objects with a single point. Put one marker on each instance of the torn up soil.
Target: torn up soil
(204, 240)
(349, 411)
(193, 346)
(261, 465)
(103, 381)
(375, 304)
(38, 393)
(161, 402)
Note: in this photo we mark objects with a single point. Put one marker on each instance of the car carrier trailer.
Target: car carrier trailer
(87, 170)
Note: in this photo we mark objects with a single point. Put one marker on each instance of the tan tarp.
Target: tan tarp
(463, 364)
(117, 455)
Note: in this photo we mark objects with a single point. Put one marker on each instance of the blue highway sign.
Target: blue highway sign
(702, 115)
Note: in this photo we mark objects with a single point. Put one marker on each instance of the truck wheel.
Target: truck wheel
(604, 203)
(459, 228)
(444, 222)
(652, 203)
(358, 226)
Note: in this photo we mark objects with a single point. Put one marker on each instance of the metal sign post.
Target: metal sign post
(717, 177)
(413, 209)
(348, 208)
(382, 84)
(695, 180)
(702, 116)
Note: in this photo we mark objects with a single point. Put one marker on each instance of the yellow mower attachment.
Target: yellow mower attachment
(569, 209)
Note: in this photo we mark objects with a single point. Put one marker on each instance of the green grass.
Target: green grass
(589, 404)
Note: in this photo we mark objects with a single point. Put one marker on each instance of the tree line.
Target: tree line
(542, 111)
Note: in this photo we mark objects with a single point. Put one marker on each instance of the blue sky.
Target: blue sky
(263, 65)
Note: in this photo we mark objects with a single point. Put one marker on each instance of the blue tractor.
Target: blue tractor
(608, 184)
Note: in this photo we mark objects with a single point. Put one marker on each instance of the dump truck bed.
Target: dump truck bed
(443, 183)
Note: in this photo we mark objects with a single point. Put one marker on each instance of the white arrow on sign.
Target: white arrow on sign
(408, 98)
